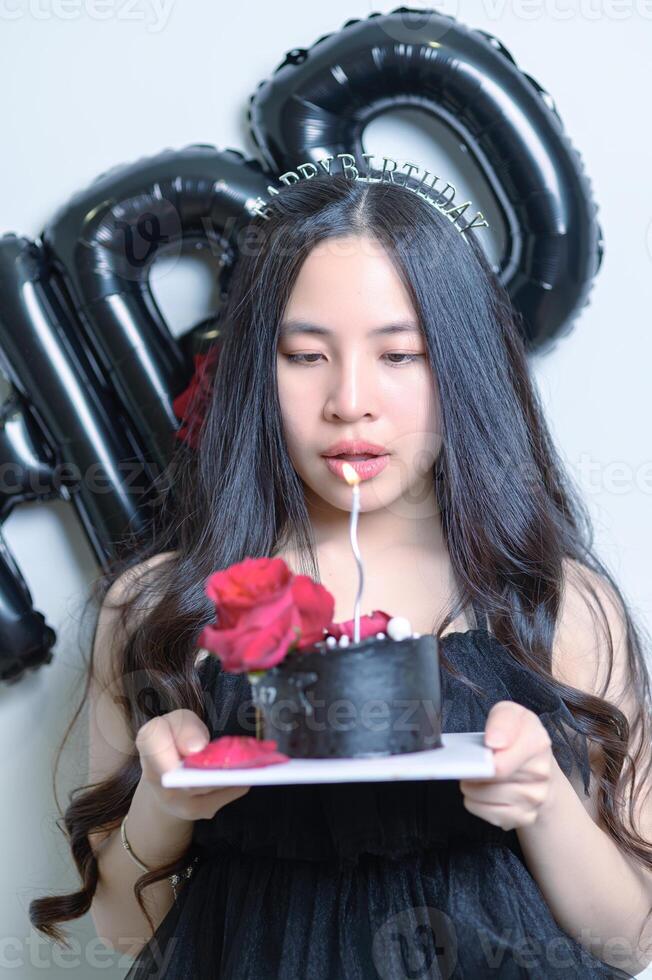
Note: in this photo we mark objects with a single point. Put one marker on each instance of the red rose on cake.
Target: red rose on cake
(262, 611)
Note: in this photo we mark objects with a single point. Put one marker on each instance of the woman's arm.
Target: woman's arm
(595, 891)
(155, 835)
(157, 838)
(160, 821)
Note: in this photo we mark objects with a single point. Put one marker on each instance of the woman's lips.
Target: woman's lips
(365, 468)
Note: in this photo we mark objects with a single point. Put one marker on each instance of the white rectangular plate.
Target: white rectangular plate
(463, 756)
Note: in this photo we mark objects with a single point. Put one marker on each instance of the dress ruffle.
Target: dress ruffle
(361, 881)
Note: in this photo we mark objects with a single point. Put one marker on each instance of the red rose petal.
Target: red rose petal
(315, 605)
(369, 626)
(235, 752)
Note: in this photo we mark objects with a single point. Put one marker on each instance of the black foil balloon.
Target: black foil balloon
(319, 100)
(26, 640)
(26, 466)
(93, 366)
(103, 244)
(61, 436)
(81, 422)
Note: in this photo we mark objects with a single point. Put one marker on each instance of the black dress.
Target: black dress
(372, 881)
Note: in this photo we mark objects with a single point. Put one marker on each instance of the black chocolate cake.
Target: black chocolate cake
(378, 697)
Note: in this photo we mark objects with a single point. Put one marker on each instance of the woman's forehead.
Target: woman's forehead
(340, 281)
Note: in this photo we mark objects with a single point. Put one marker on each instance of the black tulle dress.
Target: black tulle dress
(361, 881)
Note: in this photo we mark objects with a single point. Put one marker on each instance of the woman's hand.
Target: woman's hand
(522, 787)
(162, 743)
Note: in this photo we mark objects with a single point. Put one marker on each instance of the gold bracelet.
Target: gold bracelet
(175, 879)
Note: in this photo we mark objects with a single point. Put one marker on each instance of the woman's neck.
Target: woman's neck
(380, 532)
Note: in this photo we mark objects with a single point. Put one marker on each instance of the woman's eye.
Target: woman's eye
(301, 358)
(412, 357)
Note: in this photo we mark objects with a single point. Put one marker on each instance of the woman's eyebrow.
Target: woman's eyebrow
(291, 327)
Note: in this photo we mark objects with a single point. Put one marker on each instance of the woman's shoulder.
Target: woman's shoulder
(590, 618)
(123, 609)
(133, 579)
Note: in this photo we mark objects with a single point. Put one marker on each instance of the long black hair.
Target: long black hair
(513, 524)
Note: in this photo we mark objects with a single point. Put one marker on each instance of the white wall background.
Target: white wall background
(86, 86)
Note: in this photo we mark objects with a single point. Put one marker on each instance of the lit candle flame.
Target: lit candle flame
(350, 475)
(353, 479)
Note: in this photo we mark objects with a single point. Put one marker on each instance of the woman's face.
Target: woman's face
(350, 383)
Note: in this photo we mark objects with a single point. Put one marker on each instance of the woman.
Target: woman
(470, 531)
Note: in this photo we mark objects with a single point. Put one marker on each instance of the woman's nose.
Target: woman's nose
(352, 390)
